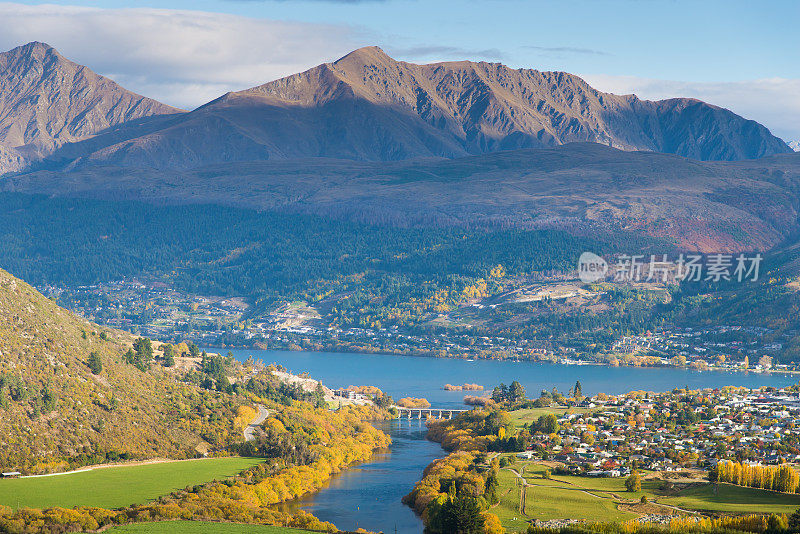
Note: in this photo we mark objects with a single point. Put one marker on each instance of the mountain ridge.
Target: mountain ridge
(367, 106)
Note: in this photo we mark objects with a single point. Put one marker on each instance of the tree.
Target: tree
(547, 424)
(144, 353)
(578, 393)
(95, 363)
(776, 523)
(143, 346)
(633, 482)
(319, 396)
(794, 522)
(500, 393)
(169, 355)
(516, 392)
(457, 515)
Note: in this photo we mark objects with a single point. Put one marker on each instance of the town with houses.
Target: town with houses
(159, 312)
(609, 436)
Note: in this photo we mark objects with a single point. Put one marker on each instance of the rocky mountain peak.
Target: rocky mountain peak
(47, 100)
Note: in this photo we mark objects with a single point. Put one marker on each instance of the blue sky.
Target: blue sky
(737, 54)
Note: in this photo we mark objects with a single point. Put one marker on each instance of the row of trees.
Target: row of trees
(782, 478)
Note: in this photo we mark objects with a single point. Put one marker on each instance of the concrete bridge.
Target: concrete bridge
(425, 413)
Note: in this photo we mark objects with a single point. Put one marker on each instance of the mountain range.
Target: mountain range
(365, 106)
(382, 141)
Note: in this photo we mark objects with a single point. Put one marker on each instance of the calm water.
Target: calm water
(368, 495)
(403, 376)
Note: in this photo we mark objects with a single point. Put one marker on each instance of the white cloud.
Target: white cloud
(774, 102)
(183, 58)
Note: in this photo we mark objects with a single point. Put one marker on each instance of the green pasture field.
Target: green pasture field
(576, 497)
(119, 486)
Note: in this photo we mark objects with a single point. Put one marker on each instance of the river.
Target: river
(368, 495)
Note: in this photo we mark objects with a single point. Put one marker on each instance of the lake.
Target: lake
(403, 376)
(368, 495)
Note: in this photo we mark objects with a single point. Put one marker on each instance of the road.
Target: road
(250, 430)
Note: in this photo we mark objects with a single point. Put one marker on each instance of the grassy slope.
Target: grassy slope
(124, 410)
(116, 487)
(200, 527)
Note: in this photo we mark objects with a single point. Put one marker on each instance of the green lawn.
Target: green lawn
(116, 487)
(529, 415)
(729, 498)
(200, 527)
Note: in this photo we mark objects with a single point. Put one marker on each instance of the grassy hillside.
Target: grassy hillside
(56, 413)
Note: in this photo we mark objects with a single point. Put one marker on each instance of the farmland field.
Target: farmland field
(551, 502)
(115, 487)
(200, 527)
(576, 497)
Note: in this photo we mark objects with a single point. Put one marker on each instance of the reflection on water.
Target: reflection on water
(369, 495)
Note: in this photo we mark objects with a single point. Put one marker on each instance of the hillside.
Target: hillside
(368, 106)
(55, 413)
(708, 206)
(47, 100)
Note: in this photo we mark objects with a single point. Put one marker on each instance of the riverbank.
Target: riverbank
(368, 495)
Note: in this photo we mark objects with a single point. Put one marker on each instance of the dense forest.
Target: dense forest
(219, 250)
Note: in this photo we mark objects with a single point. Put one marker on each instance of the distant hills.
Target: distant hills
(795, 145)
(581, 187)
